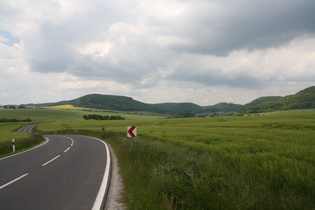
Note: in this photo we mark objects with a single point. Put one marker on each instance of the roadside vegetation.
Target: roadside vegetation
(262, 161)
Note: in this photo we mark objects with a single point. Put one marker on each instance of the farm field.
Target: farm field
(39, 115)
(69, 112)
(265, 161)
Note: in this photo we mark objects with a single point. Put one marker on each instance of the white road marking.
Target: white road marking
(66, 150)
(71, 141)
(3, 186)
(105, 182)
(51, 160)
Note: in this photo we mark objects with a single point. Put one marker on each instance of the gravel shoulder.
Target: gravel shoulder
(116, 187)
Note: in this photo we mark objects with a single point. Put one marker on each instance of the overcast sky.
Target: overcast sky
(200, 51)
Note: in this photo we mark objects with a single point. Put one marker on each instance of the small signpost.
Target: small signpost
(13, 145)
(132, 131)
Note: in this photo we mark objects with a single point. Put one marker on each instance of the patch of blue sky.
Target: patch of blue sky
(8, 39)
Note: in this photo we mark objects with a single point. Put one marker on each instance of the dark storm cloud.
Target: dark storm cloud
(248, 25)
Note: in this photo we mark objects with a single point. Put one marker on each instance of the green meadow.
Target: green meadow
(264, 161)
(60, 113)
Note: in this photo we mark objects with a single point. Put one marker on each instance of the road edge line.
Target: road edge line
(99, 202)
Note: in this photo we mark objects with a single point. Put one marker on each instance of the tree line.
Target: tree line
(102, 117)
(14, 107)
(15, 120)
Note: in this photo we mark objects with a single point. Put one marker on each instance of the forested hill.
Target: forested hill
(305, 99)
(223, 107)
(176, 108)
(111, 102)
(262, 100)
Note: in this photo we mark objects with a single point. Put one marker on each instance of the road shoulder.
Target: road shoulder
(116, 187)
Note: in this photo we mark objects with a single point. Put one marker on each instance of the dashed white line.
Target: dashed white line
(66, 150)
(71, 141)
(14, 180)
(51, 160)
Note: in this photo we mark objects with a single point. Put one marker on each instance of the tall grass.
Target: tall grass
(168, 176)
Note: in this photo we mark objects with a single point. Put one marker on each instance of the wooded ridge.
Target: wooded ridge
(304, 99)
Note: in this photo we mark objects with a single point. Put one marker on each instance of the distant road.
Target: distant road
(27, 129)
(68, 172)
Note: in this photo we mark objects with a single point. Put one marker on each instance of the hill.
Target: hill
(223, 107)
(304, 99)
(262, 100)
(176, 108)
(110, 102)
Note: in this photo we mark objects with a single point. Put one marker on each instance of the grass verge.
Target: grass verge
(22, 142)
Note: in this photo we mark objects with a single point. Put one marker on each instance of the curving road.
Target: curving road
(27, 129)
(66, 172)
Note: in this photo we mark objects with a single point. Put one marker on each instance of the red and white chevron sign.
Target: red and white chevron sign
(132, 131)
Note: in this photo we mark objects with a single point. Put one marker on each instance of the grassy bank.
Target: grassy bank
(23, 141)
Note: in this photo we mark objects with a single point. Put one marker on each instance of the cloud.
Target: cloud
(143, 46)
(221, 27)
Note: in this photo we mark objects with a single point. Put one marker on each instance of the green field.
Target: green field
(258, 162)
(68, 112)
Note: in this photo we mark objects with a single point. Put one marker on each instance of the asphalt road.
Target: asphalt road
(27, 129)
(66, 172)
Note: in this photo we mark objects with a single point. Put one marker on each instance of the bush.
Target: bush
(15, 120)
(102, 117)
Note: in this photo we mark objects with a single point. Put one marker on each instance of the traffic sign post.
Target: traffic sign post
(131, 131)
